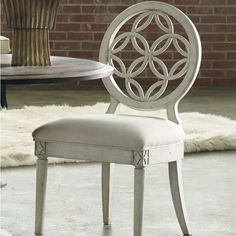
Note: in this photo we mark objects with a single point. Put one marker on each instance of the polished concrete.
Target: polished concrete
(74, 197)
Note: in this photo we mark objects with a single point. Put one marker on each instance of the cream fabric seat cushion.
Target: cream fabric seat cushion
(109, 130)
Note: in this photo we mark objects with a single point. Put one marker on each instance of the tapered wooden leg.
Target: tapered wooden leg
(41, 180)
(139, 174)
(176, 186)
(107, 172)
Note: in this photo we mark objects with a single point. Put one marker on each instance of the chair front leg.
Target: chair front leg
(139, 175)
(176, 186)
(41, 180)
(107, 173)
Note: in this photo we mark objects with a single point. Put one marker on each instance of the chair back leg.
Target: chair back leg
(41, 180)
(107, 174)
(139, 175)
(176, 186)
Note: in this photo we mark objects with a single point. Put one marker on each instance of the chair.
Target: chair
(133, 140)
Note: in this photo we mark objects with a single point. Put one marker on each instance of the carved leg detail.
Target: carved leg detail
(107, 172)
(41, 180)
(139, 174)
(175, 176)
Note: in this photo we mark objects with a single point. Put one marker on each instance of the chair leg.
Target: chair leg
(41, 180)
(139, 174)
(175, 176)
(107, 172)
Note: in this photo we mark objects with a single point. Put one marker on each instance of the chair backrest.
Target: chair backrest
(134, 29)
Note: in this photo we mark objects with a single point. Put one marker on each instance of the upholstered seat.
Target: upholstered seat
(120, 131)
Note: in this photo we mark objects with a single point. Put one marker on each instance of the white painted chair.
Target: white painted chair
(133, 140)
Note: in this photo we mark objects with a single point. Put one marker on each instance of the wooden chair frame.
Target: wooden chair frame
(145, 11)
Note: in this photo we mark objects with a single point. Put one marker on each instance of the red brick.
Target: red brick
(116, 9)
(200, 10)
(206, 65)
(231, 37)
(224, 46)
(67, 45)
(231, 19)
(80, 36)
(213, 19)
(202, 82)
(213, 2)
(59, 53)
(231, 74)
(231, 2)
(94, 9)
(71, 9)
(91, 45)
(231, 56)
(204, 28)
(67, 27)
(82, 18)
(212, 73)
(215, 56)
(225, 10)
(81, 24)
(62, 18)
(208, 37)
(54, 35)
(99, 27)
(221, 82)
(98, 36)
(82, 54)
(185, 2)
(224, 64)
(220, 28)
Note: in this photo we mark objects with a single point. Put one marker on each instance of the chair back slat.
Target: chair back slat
(151, 39)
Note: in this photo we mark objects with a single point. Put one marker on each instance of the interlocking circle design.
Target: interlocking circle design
(150, 55)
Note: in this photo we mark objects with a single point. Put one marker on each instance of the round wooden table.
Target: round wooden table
(63, 69)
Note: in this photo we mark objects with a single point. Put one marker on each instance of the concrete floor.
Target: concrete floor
(74, 198)
(215, 101)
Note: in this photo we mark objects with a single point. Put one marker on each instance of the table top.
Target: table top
(62, 69)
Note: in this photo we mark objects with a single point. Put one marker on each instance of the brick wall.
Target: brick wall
(80, 26)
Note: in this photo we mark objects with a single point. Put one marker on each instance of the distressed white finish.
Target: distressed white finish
(175, 176)
(185, 69)
(138, 200)
(149, 54)
(41, 181)
(107, 169)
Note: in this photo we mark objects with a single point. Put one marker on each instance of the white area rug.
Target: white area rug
(204, 132)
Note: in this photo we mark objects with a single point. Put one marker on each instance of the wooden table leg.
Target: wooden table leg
(3, 96)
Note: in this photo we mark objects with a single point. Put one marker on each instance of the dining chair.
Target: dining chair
(134, 140)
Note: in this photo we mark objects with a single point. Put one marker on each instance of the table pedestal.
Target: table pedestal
(3, 96)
